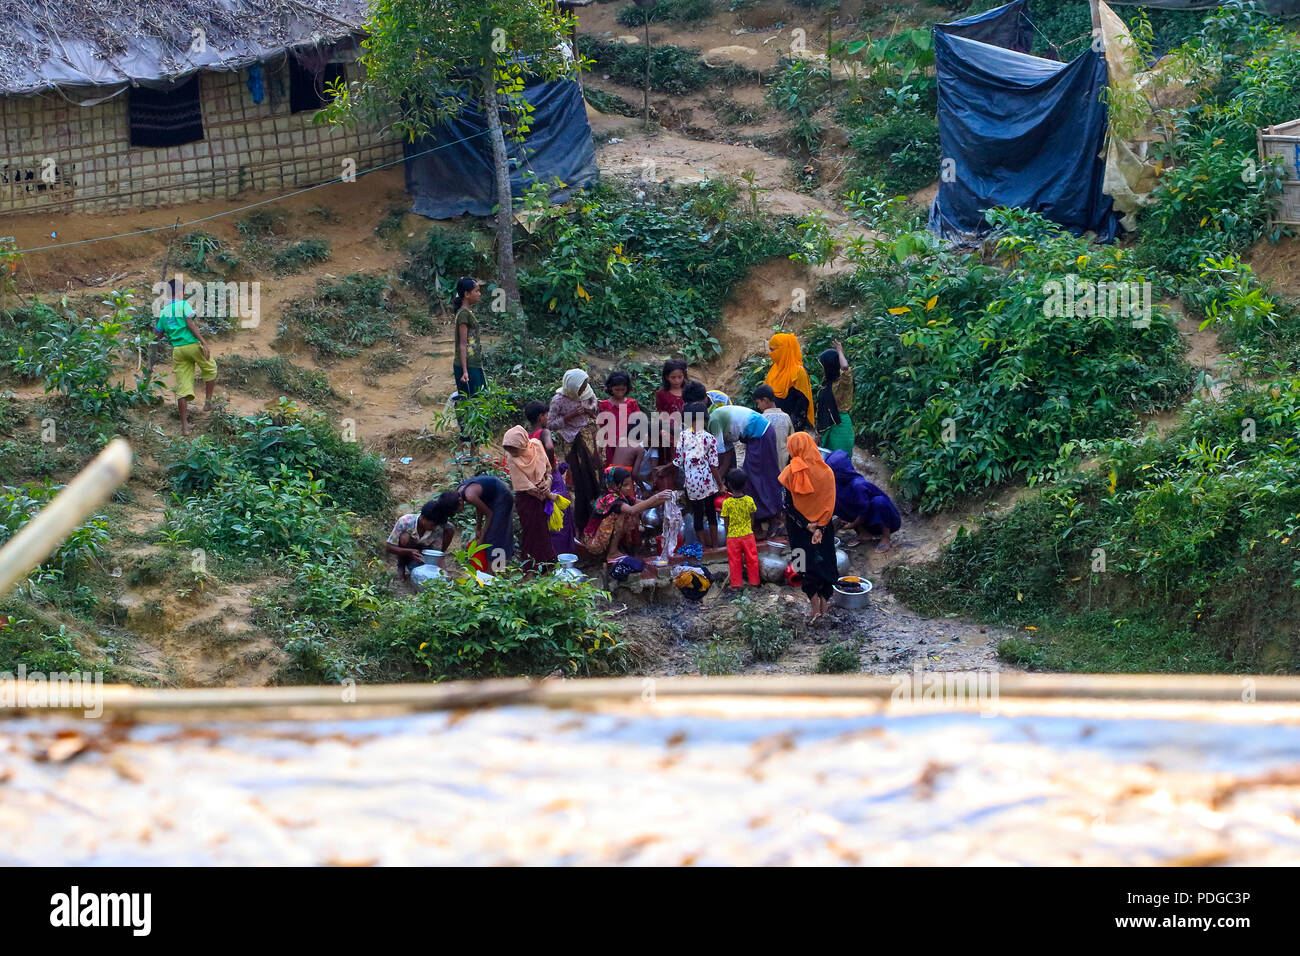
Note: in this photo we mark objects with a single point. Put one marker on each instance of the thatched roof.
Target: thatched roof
(48, 43)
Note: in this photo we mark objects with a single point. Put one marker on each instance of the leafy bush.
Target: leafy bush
(682, 11)
(719, 656)
(342, 318)
(244, 515)
(901, 148)
(297, 256)
(1193, 538)
(609, 103)
(445, 257)
(673, 69)
(81, 357)
(260, 222)
(839, 658)
(800, 87)
(460, 628)
(618, 272)
(266, 446)
(766, 634)
(967, 379)
(18, 505)
(202, 253)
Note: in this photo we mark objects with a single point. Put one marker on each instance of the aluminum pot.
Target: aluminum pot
(854, 599)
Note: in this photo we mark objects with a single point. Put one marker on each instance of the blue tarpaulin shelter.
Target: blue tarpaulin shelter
(460, 178)
(1017, 130)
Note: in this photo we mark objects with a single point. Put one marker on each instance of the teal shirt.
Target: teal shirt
(171, 322)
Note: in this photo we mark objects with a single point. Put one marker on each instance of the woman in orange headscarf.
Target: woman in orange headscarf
(809, 506)
(789, 379)
(530, 478)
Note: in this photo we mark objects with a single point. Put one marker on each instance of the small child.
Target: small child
(190, 352)
(697, 456)
(537, 413)
(765, 402)
(619, 423)
(737, 511)
(668, 478)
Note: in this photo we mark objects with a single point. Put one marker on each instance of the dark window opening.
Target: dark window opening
(165, 117)
(308, 91)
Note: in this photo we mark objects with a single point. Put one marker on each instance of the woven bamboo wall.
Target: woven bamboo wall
(246, 146)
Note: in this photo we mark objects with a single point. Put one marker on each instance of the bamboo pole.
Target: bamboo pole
(130, 702)
(73, 505)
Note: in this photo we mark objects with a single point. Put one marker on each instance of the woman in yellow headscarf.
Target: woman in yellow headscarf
(789, 379)
(809, 506)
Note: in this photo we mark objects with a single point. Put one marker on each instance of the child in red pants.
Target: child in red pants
(738, 512)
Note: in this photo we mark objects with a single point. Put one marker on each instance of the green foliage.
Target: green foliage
(343, 317)
(299, 255)
(246, 516)
(800, 87)
(279, 374)
(86, 542)
(620, 272)
(609, 103)
(681, 11)
(202, 253)
(482, 416)
(460, 628)
(673, 69)
(390, 227)
(766, 634)
(901, 148)
(445, 257)
(268, 446)
(81, 358)
(36, 645)
(968, 379)
(839, 658)
(1193, 537)
(719, 656)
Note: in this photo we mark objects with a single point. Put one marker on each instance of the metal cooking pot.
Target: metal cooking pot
(851, 600)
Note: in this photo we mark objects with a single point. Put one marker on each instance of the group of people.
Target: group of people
(588, 474)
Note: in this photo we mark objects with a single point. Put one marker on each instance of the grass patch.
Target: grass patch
(341, 318)
(260, 376)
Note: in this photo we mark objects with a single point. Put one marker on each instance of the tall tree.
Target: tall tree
(426, 61)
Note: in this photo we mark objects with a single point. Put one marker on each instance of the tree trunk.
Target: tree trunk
(505, 203)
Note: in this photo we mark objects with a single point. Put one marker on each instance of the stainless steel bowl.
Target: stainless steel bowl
(852, 600)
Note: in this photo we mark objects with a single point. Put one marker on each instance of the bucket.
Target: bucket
(852, 592)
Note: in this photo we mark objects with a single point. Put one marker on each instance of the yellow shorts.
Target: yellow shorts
(185, 359)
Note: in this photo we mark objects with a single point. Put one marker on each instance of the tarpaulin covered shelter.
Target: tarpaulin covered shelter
(449, 182)
(1017, 130)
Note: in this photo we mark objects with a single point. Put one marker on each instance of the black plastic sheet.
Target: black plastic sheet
(458, 178)
(1017, 130)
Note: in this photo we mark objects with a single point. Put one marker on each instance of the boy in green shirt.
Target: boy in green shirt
(189, 351)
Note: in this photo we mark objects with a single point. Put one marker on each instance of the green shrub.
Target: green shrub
(343, 317)
(267, 446)
(673, 69)
(966, 377)
(1192, 538)
(618, 273)
(252, 518)
(297, 256)
(202, 253)
(681, 11)
(763, 630)
(280, 374)
(609, 103)
(260, 222)
(800, 87)
(81, 358)
(86, 542)
(718, 657)
(839, 658)
(460, 628)
(444, 258)
(901, 148)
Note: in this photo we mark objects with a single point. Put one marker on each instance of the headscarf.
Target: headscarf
(828, 410)
(810, 480)
(717, 398)
(577, 387)
(527, 462)
(614, 476)
(787, 370)
(855, 497)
